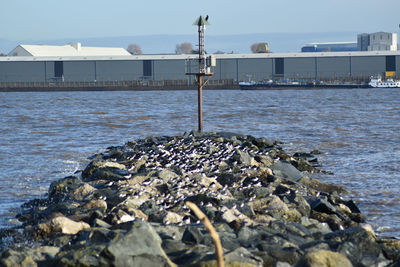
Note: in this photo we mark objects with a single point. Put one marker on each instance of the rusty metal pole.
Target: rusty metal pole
(200, 79)
(202, 71)
(200, 102)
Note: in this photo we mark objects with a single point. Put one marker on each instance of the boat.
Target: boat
(293, 84)
(377, 82)
(247, 84)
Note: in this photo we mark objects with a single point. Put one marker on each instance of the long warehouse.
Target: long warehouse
(235, 67)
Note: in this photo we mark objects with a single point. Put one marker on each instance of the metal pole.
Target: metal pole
(202, 71)
(200, 83)
(199, 101)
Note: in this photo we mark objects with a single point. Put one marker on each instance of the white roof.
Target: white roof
(217, 56)
(74, 49)
(332, 43)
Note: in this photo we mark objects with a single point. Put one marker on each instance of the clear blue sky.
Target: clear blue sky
(54, 19)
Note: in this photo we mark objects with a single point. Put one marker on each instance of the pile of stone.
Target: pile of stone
(127, 208)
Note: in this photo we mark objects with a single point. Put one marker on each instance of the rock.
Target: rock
(59, 189)
(211, 183)
(61, 225)
(332, 220)
(391, 248)
(167, 175)
(248, 235)
(266, 161)
(140, 246)
(109, 173)
(192, 255)
(99, 163)
(100, 223)
(28, 256)
(272, 203)
(302, 205)
(170, 231)
(172, 217)
(287, 254)
(306, 165)
(243, 158)
(238, 257)
(287, 171)
(315, 226)
(82, 191)
(315, 245)
(356, 243)
(196, 234)
(324, 258)
(117, 216)
(96, 203)
(80, 256)
(175, 249)
(262, 143)
(322, 186)
(228, 179)
(282, 264)
(323, 206)
(246, 210)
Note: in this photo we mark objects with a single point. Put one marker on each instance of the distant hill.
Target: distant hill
(165, 44)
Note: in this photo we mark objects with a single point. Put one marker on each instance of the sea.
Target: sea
(45, 136)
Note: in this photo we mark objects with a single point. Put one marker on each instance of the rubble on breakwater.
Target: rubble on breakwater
(127, 208)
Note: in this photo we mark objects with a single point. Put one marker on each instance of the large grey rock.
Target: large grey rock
(140, 246)
(28, 256)
(237, 257)
(324, 206)
(355, 243)
(324, 258)
(322, 186)
(243, 158)
(287, 171)
(242, 257)
(60, 224)
(59, 189)
(196, 234)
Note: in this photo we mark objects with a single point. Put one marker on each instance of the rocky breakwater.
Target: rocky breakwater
(127, 208)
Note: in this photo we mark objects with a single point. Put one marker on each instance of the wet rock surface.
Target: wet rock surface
(127, 208)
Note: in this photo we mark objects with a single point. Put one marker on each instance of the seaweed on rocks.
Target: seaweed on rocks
(128, 208)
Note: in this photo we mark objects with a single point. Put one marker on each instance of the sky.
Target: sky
(51, 19)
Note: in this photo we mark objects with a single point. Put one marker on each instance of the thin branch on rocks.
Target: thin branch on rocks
(210, 228)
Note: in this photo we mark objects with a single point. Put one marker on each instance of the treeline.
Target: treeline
(187, 48)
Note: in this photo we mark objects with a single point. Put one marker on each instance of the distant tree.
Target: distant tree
(184, 48)
(253, 47)
(2, 55)
(134, 49)
(219, 52)
(260, 48)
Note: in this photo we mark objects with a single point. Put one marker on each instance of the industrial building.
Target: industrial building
(72, 49)
(230, 68)
(330, 47)
(378, 41)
